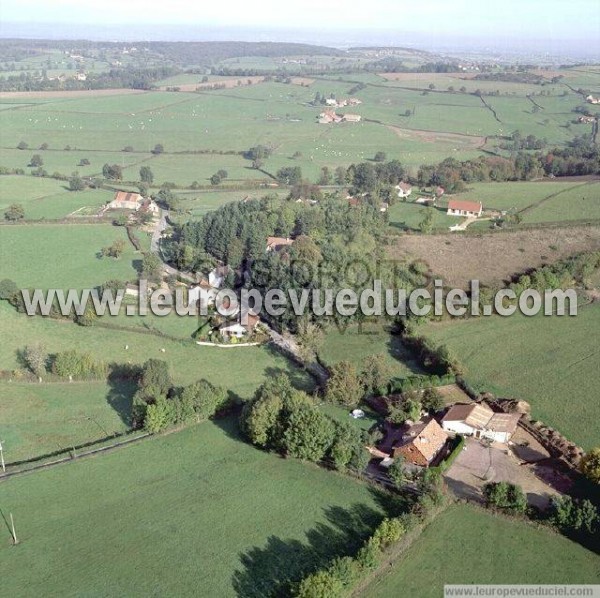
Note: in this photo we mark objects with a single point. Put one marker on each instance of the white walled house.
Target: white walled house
(479, 421)
(124, 200)
(403, 189)
(469, 209)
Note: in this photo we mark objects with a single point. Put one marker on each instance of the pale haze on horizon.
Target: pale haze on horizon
(510, 19)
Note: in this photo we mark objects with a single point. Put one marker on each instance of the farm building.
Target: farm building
(404, 189)
(329, 116)
(351, 118)
(278, 243)
(150, 206)
(123, 200)
(480, 421)
(420, 443)
(458, 207)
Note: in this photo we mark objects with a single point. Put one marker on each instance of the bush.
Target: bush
(322, 584)
(505, 496)
(79, 366)
(8, 288)
(35, 357)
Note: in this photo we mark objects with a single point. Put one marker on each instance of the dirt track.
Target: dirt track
(494, 257)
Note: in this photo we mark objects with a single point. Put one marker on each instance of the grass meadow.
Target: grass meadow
(456, 549)
(188, 361)
(98, 128)
(49, 198)
(65, 256)
(37, 419)
(551, 362)
(354, 344)
(198, 511)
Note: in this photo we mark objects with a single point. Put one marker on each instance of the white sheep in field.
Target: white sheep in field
(126, 347)
(162, 350)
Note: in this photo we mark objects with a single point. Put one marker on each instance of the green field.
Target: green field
(408, 215)
(188, 361)
(551, 362)
(37, 419)
(354, 345)
(466, 545)
(194, 512)
(49, 198)
(65, 256)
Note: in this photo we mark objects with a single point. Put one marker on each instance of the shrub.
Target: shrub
(8, 288)
(35, 357)
(76, 365)
(322, 584)
(590, 465)
(505, 496)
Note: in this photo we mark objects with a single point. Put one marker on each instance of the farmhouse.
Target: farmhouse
(458, 207)
(420, 443)
(278, 243)
(239, 329)
(329, 116)
(124, 200)
(480, 421)
(592, 100)
(150, 206)
(404, 189)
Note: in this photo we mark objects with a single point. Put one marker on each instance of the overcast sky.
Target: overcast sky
(539, 19)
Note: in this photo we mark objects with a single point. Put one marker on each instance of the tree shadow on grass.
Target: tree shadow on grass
(120, 394)
(271, 570)
(299, 378)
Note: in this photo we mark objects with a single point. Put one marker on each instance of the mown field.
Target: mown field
(551, 362)
(488, 549)
(66, 256)
(196, 511)
(188, 361)
(37, 419)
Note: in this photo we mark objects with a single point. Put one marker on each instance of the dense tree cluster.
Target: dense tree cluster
(286, 420)
(581, 157)
(157, 404)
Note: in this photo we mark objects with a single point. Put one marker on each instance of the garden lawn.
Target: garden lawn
(467, 545)
(551, 362)
(198, 512)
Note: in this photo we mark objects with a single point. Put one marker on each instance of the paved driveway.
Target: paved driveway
(479, 464)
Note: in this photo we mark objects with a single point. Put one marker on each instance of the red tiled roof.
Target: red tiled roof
(465, 206)
(124, 196)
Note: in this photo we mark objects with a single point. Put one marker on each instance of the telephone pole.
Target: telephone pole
(14, 534)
